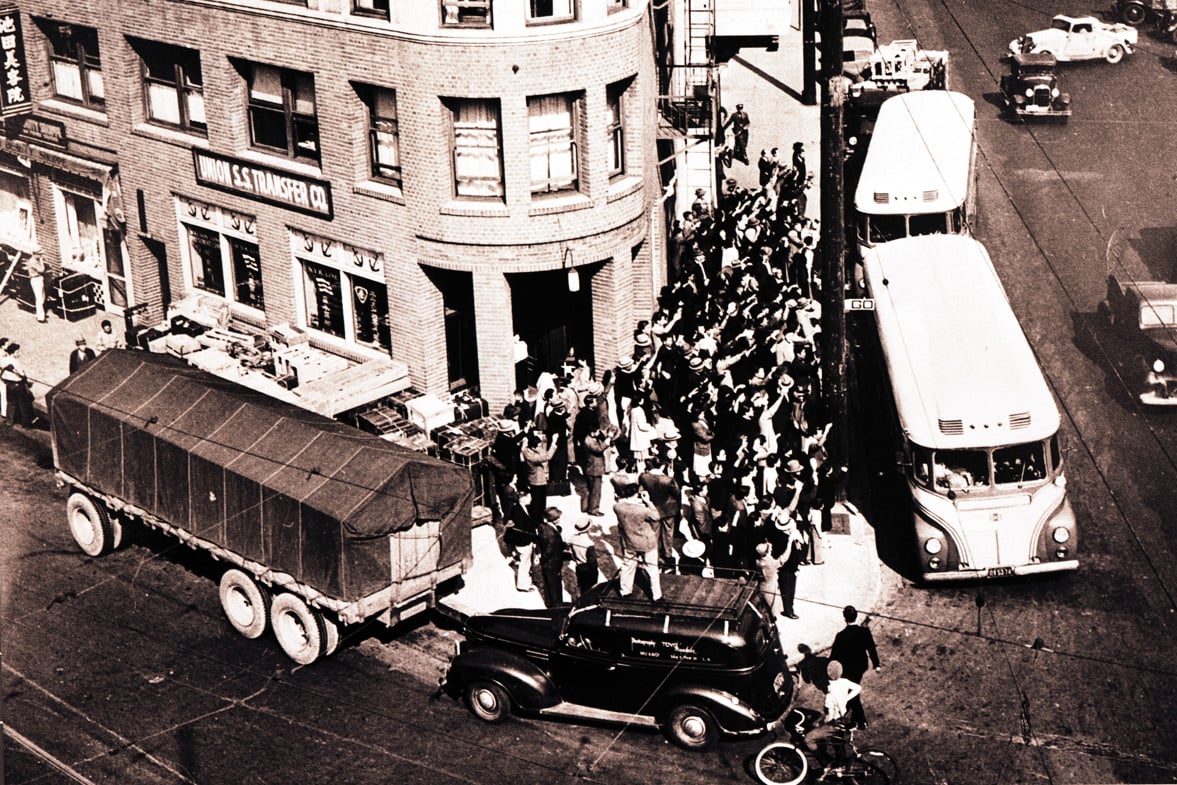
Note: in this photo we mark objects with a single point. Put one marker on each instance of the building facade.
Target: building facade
(467, 186)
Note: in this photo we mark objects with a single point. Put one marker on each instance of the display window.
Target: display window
(222, 254)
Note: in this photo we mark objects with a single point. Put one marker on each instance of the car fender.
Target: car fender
(529, 686)
(733, 715)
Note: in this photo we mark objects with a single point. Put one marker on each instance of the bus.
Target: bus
(918, 175)
(976, 423)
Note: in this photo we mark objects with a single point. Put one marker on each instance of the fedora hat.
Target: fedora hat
(794, 466)
(583, 524)
(552, 514)
(694, 549)
(625, 363)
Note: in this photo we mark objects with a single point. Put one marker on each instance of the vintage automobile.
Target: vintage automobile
(706, 662)
(1079, 38)
(902, 65)
(1146, 314)
(857, 51)
(1031, 88)
(1162, 13)
(859, 23)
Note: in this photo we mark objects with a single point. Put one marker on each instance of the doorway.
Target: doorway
(461, 338)
(551, 320)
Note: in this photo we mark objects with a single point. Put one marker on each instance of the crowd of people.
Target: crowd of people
(712, 433)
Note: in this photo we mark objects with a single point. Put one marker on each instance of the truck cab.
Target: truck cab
(1146, 314)
(705, 664)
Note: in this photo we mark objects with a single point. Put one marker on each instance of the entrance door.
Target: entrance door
(550, 319)
(457, 292)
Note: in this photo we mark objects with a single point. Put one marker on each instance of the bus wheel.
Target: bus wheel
(89, 523)
(246, 603)
(299, 630)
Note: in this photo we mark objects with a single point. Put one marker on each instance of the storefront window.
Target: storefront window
(346, 306)
(221, 263)
(15, 208)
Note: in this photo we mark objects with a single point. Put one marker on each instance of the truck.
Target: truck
(319, 525)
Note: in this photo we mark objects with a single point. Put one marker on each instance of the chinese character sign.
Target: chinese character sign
(14, 89)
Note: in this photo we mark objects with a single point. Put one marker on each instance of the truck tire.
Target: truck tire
(246, 603)
(330, 635)
(299, 630)
(488, 701)
(1114, 54)
(692, 727)
(89, 523)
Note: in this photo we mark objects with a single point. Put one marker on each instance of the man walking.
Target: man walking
(852, 647)
(739, 123)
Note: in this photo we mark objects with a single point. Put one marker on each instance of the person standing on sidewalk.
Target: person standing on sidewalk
(637, 521)
(16, 383)
(551, 557)
(536, 455)
(595, 446)
(739, 123)
(36, 269)
(666, 495)
(852, 647)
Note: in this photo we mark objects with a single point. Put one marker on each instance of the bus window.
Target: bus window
(882, 228)
(1056, 456)
(932, 223)
(957, 222)
(1019, 464)
(921, 465)
(961, 470)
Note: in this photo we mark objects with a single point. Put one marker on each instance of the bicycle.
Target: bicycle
(788, 762)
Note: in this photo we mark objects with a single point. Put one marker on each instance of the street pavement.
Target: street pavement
(769, 85)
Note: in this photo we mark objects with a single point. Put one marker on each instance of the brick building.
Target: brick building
(439, 181)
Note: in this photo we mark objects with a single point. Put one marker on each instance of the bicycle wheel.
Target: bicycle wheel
(883, 762)
(781, 764)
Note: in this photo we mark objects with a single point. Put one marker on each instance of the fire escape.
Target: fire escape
(687, 95)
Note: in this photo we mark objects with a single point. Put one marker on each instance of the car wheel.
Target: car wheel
(1114, 54)
(692, 727)
(488, 701)
(1133, 14)
(89, 523)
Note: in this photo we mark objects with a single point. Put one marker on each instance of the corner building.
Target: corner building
(466, 186)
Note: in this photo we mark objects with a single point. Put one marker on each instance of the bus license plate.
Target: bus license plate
(997, 572)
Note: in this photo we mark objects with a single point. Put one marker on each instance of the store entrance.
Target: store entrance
(457, 292)
(551, 320)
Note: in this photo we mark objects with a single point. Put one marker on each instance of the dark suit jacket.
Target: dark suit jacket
(79, 356)
(851, 647)
(664, 493)
(551, 545)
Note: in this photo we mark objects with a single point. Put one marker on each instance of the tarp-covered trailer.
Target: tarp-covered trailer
(321, 523)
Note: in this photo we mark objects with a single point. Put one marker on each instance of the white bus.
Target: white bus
(977, 424)
(919, 173)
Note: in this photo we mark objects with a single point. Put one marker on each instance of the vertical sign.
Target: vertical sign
(14, 92)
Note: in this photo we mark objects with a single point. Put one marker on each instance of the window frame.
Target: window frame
(615, 104)
(380, 9)
(345, 284)
(467, 13)
(497, 187)
(532, 18)
(614, 6)
(391, 174)
(293, 120)
(88, 64)
(181, 83)
(555, 184)
(227, 246)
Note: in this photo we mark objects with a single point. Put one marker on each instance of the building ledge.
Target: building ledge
(559, 204)
(623, 187)
(476, 209)
(169, 136)
(387, 193)
(67, 109)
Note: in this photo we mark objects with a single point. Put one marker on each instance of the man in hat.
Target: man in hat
(536, 455)
(739, 123)
(595, 445)
(766, 165)
(666, 495)
(853, 646)
(769, 568)
(637, 522)
(81, 354)
(36, 269)
(583, 547)
(551, 557)
(789, 549)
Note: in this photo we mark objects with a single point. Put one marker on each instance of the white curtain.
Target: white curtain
(477, 167)
(550, 128)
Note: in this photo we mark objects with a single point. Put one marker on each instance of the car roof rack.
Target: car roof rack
(686, 595)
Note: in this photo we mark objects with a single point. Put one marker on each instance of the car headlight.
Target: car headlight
(1054, 93)
(933, 546)
(1158, 366)
(1029, 92)
(1060, 535)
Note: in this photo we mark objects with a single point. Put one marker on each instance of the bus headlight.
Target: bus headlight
(933, 546)
(1061, 535)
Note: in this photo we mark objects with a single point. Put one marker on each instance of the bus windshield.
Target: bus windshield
(882, 228)
(965, 471)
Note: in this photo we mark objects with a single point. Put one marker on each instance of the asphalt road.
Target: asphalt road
(123, 670)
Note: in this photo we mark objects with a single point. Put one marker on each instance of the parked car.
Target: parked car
(1137, 12)
(1079, 38)
(1031, 88)
(857, 51)
(1145, 312)
(706, 663)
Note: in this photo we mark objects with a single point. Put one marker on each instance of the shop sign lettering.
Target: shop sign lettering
(263, 183)
(14, 92)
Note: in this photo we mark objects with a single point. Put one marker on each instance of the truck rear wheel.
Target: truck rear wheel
(330, 635)
(300, 631)
(246, 603)
(89, 523)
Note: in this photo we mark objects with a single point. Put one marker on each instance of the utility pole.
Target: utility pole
(833, 245)
(809, 50)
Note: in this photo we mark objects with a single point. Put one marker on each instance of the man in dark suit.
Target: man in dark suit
(667, 497)
(551, 557)
(81, 354)
(852, 647)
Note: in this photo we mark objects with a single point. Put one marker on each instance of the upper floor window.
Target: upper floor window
(478, 169)
(616, 5)
(370, 7)
(282, 113)
(383, 134)
(173, 85)
(616, 130)
(552, 142)
(74, 60)
(551, 10)
(466, 13)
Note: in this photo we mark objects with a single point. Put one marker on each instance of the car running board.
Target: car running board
(575, 710)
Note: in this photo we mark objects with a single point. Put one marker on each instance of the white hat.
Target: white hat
(694, 549)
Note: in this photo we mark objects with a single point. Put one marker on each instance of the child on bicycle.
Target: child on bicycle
(826, 740)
